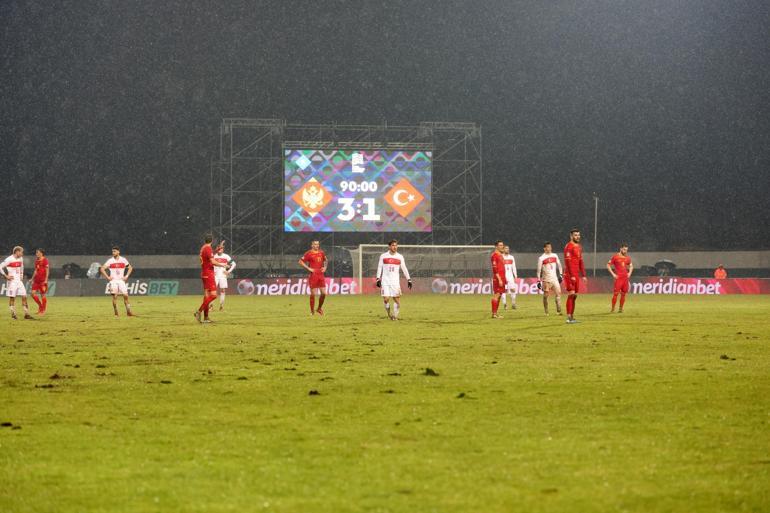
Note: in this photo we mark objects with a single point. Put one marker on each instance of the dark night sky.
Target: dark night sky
(110, 110)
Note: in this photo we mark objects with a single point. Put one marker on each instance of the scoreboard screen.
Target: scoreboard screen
(328, 190)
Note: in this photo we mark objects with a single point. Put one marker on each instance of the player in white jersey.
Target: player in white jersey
(511, 275)
(549, 274)
(120, 270)
(222, 273)
(389, 279)
(13, 272)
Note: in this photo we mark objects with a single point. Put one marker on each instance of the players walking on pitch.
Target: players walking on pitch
(222, 273)
(12, 269)
(511, 275)
(498, 276)
(40, 281)
(549, 273)
(208, 263)
(314, 260)
(574, 270)
(389, 280)
(120, 270)
(621, 268)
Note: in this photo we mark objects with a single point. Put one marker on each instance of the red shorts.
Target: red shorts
(572, 283)
(209, 283)
(316, 281)
(496, 287)
(621, 284)
(41, 287)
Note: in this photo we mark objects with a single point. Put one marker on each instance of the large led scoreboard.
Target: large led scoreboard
(335, 190)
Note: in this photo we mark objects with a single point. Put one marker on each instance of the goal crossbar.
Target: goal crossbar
(449, 247)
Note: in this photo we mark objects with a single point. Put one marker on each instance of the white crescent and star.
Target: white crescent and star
(400, 202)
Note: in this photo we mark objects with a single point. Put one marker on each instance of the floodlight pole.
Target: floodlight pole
(596, 226)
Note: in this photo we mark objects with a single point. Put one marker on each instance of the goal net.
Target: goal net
(425, 261)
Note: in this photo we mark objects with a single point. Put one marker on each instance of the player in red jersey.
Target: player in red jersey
(40, 281)
(498, 276)
(314, 260)
(574, 270)
(208, 263)
(621, 268)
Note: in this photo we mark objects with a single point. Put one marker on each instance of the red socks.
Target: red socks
(615, 300)
(210, 300)
(495, 305)
(320, 302)
(205, 305)
(622, 300)
(45, 302)
(571, 304)
(36, 300)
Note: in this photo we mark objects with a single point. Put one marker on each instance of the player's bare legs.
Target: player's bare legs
(222, 298)
(127, 305)
(396, 308)
(115, 304)
(25, 306)
(12, 307)
(558, 304)
(546, 293)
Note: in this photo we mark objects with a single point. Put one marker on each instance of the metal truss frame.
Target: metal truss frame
(247, 189)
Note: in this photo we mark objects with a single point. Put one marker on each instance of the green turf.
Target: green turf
(663, 408)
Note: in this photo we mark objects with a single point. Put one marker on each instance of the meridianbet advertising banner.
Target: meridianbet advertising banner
(293, 286)
(645, 285)
(348, 286)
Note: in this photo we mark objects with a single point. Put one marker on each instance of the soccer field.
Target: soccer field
(663, 408)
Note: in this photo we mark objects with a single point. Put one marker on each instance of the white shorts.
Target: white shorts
(551, 286)
(391, 290)
(117, 288)
(15, 288)
(221, 282)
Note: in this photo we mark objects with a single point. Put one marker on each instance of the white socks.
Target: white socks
(222, 299)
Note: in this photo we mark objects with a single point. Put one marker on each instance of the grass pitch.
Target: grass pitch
(663, 408)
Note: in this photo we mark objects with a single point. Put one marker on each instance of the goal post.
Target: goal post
(426, 261)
